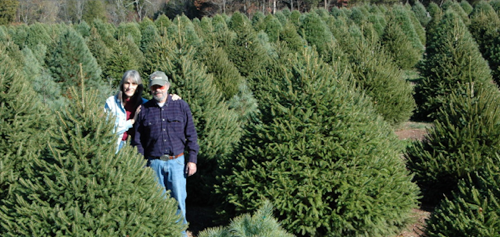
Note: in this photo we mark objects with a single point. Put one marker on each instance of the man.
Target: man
(164, 129)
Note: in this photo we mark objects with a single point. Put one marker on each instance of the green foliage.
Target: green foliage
(320, 154)
(8, 10)
(399, 46)
(83, 29)
(129, 29)
(105, 31)
(162, 22)
(261, 223)
(452, 59)
(402, 16)
(77, 185)
(317, 34)
(125, 55)
(291, 37)
(37, 34)
(473, 210)
(421, 13)
(484, 27)
(465, 137)
(247, 54)
(64, 58)
(457, 8)
(23, 126)
(466, 6)
(272, 27)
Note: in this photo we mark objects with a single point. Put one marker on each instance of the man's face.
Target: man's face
(160, 92)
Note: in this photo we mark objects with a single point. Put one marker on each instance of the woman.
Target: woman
(126, 104)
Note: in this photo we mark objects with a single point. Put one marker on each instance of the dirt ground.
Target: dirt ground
(201, 218)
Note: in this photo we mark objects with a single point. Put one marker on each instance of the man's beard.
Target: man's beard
(159, 96)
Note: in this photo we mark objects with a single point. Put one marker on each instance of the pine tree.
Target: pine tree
(98, 49)
(244, 51)
(473, 210)
(320, 153)
(24, 123)
(317, 34)
(78, 186)
(37, 34)
(397, 43)
(484, 27)
(124, 56)
(421, 13)
(465, 137)
(452, 59)
(64, 59)
(83, 29)
(272, 27)
(261, 223)
(126, 29)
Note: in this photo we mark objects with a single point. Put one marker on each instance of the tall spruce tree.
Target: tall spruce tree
(452, 59)
(320, 154)
(315, 31)
(37, 33)
(484, 27)
(247, 54)
(465, 138)
(77, 186)
(23, 125)
(64, 58)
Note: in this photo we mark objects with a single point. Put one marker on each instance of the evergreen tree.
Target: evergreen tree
(245, 51)
(261, 223)
(317, 34)
(64, 58)
(473, 210)
(457, 8)
(24, 123)
(464, 139)
(83, 29)
(98, 49)
(77, 186)
(467, 7)
(105, 32)
(162, 22)
(126, 29)
(125, 55)
(18, 34)
(37, 34)
(319, 153)
(48, 91)
(452, 59)
(291, 37)
(149, 34)
(397, 43)
(484, 27)
(272, 27)
(421, 13)
(402, 16)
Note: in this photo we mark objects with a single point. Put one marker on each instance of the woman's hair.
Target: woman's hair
(135, 77)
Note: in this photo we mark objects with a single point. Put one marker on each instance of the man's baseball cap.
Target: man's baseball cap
(158, 78)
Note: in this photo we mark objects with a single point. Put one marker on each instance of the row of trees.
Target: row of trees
(295, 108)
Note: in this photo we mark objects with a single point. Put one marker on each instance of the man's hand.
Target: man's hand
(190, 168)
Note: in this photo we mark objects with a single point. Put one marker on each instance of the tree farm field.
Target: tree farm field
(201, 217)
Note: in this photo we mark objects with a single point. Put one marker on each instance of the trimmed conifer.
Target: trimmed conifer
(421, 13)
(399, 46)
(78, 186)
(24, 122)
(98, 48)
(484, 27)
(37, 34)
(125, 55)
(272, 27)
(126, 29)
(466, 134)
(83, 29)
(473, 210)
(317, 34)
(64, 59)
(452, 59)
(319, 153)
(467, 7)
(246, 53)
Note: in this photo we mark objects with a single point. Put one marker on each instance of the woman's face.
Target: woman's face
(129, 87)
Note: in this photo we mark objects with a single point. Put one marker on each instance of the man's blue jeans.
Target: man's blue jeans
(171, 175)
